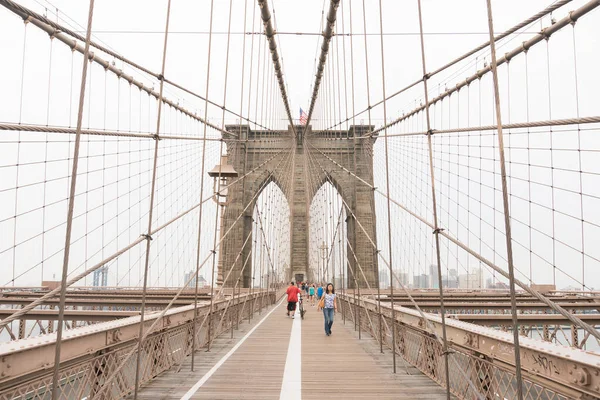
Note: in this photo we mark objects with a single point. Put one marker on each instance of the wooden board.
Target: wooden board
(254, 371)
(339, 366)
(343, 367)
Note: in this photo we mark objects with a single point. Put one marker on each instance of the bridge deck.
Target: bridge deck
(267, 365)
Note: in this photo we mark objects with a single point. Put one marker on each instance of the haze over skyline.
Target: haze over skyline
(554, 174)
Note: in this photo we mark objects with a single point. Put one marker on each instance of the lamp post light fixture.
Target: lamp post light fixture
(220, 174)
(324, 249)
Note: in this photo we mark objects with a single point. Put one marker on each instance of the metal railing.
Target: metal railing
(90, 354)
(481, 358)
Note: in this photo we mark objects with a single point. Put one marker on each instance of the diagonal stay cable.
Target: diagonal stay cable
(411, 298)
(544, 35)
(572, 318)
(124, 360)
(234, 262)
(118, 253)
(482, 46)
(62, 33)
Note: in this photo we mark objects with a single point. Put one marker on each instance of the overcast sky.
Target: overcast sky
(550, 236)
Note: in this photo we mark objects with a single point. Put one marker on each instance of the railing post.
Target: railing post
(22, 323)
(51, 322)
(574, 336)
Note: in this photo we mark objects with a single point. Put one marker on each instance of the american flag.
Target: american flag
(303, 117)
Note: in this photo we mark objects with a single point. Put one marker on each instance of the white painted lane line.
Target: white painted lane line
(214, 369)
(292, 375)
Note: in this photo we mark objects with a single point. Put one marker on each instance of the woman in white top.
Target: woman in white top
(329, 307)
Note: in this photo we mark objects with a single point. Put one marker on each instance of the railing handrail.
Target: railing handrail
(86, 340)
(566, 366)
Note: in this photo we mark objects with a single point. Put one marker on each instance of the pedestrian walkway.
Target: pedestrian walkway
(261, 362)
(253, 371)
(349, 368)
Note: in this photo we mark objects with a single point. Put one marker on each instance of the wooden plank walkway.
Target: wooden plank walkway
(349, 368)
(254, 371)
(356, 369)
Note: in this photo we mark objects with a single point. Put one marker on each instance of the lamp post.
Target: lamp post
(324, 248)
(220, 174)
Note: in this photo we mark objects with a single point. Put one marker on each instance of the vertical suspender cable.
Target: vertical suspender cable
(245, 144)
(376, 254)
(214, 251)
(252, 263)
(509, 253)
(357, 315)
(341, 250)
(151, 207)
(195, 321)
(65, 269)
(436, 229)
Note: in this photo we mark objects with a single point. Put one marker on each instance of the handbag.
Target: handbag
(321, 304)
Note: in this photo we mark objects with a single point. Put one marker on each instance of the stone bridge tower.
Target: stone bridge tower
(315, 154)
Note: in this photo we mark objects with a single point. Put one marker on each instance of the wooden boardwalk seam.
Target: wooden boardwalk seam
(355, 368)
(347, 368)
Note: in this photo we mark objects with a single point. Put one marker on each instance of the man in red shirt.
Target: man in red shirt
(292, 297)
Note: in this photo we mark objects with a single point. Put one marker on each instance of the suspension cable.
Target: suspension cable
(61, 32)
(509, 250)
(327, 34)
(551, 304)
(436, 230)
(528, 21)
(270, 33)
(423, 315)
(524, 47)
(71, 206)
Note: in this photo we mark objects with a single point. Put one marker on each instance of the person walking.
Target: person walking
(329, 305)
(292, 297)
(311, 295)
(320, 292)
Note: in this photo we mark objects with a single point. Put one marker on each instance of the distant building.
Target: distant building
(491, 284)
(450, 282)
(473, 280)
(384, 279)
(420, 281)
(434, 277)
(571, 288)
(192, 281)
(100, 278)
(403, 277)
